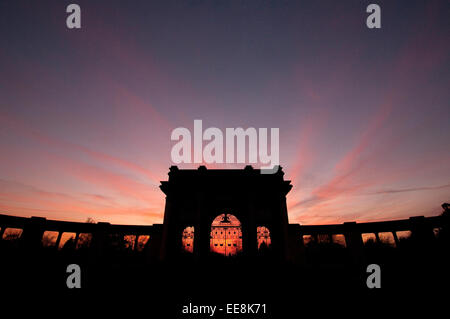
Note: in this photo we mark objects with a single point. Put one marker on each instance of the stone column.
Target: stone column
(58, 239)
(153, 246)
(397, 242)
(33, 232)
(377, 238)
(354, 242)
(99, 240)
(168, 237)
(281, 236)
(296, 245)
(248, 225)
(202, 227)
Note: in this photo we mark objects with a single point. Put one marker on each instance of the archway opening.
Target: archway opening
(263, 237)
(187, 239)
(226, 235)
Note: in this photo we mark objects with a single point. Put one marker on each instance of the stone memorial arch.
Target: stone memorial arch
(243, 199)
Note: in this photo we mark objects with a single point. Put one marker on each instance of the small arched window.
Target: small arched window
(187, 240)
(263, 237)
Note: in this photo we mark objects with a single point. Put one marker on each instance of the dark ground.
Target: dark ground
(328, 283)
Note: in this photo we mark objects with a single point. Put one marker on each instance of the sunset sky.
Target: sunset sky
(86, 115)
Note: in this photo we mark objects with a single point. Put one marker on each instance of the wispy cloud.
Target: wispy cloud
(412, 189)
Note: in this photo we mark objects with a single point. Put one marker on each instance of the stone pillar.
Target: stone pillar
(248, 225)
(154, 244)
(204, 238)
(284, 228)
(354, 242)
(99, 240)
(77, 236)
(33, 232)
(296, 245)
(377, 238)
(202, 228)
(58, 239)
(168, 237)
(397, 242)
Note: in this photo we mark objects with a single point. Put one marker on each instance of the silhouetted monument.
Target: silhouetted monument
(223, 211)
(196, 197)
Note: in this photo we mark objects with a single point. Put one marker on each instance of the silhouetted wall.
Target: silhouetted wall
(423, 231)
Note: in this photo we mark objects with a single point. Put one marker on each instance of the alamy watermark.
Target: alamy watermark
(232, 149)
(73, 20)
(74, 279)
(374, 279)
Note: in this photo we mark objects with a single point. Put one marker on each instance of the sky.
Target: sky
(86, 114)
